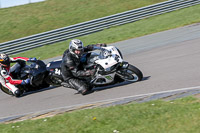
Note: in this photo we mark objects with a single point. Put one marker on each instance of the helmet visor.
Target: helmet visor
(5, 61)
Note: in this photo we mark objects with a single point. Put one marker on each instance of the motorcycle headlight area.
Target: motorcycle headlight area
(104, 54)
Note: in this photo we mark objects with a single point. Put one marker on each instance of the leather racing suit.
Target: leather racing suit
(72, 70)
(6, 77)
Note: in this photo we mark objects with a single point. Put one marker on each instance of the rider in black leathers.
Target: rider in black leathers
(71, 66)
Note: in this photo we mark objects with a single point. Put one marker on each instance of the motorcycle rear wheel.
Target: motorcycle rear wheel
(131, 73)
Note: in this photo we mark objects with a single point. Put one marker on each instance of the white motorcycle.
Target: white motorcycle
(108, 66)
(111, 68)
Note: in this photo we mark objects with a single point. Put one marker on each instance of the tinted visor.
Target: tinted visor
(5, 62)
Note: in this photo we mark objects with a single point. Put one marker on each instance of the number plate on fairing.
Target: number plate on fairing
(57, 71)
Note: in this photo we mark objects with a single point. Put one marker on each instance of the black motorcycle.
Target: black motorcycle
(37, 73)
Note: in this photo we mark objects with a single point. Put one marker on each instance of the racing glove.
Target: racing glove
(25, 82)
(101, 45)
(89, 72)
(32, 59)
(96, 46)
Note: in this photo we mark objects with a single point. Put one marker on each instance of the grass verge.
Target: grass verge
(140, 28)
(21, 21)
(178, 116)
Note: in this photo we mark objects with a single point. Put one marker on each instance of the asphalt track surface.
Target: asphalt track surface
(169, 60)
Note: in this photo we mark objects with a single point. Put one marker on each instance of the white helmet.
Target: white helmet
(76, 44)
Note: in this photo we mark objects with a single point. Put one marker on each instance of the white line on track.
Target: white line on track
(107, 100)
(182, 89)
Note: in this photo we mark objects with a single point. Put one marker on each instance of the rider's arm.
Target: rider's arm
(15, 59)
(75, 71)
(94, 47)
(73, 68)
(9, 79)
(79, 73)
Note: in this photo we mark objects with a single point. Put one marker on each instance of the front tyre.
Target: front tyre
(131, 73)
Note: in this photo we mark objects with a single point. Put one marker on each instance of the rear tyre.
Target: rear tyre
(132, 74)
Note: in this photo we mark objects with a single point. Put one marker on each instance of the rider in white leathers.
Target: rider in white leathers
(6, 79)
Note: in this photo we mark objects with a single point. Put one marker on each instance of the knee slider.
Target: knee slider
(17, 93)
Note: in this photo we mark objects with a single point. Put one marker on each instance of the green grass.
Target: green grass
(179, 116)
(143, 27)
(21, 21)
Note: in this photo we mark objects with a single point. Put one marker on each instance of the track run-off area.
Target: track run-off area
(169, 61)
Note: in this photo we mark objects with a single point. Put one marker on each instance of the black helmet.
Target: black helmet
(74, 45)
(4, 60)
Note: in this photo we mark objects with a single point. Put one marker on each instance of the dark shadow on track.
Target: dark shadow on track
(146, 78)
(115, 85)
(40, 90)
(89, 92)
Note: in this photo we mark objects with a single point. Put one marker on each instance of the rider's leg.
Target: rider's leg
(16, 92)
(79, 85)
(71, 82)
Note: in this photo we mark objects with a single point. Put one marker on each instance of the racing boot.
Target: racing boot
(83, 90)
(80, 86)
(86, 89)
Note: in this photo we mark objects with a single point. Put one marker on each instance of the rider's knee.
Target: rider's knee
(17, 93)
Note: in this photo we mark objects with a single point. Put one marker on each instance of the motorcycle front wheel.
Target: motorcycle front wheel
(131, 73)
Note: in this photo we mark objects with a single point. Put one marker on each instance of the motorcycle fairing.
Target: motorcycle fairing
(103, 79)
